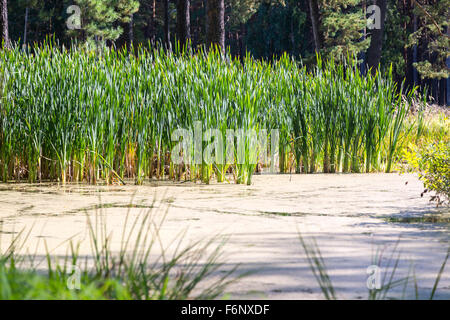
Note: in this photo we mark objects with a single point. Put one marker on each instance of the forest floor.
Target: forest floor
(349, 215)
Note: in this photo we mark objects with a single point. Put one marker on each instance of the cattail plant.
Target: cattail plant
(72, 115)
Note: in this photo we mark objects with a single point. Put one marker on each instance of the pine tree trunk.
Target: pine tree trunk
(25, 29)
(242, 43)
(215, 20)
(166, 25)
(4, 19)
(314, 14)
(376, 42)
(183, 22)
(153, 24)
(150, 27)
(415, 73)
(292, 36)
(408, 53)
(131, 31)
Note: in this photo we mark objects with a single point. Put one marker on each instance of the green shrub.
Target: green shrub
(432, 162)
(435, 173)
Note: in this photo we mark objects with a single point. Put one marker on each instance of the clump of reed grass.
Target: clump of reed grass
(72, 115)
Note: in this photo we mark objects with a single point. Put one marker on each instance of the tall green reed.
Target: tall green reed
(75, 115)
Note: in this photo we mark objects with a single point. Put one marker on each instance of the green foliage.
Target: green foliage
(242, 10)
(395, 39)
(45, 18)
(100, 18)
(434, 170)
(427, 151)
(27, 285)
(343, 24)
(275, 28)
(435, 17)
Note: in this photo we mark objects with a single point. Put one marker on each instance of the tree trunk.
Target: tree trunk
(215, 20)
(149, 28)
(183, 22)
(4, 18)
(242, 40)
(448, 79)
(415, 73)
(153, 24)
(131, 31)
(408, 53)
(314, 15)
(166, 25)
(25, 28)
(376, 42)
(291, 35)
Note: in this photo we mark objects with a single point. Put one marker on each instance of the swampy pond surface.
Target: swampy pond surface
(349, 215)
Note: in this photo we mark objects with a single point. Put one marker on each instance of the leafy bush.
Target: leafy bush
(432, 162)
(436, 171)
